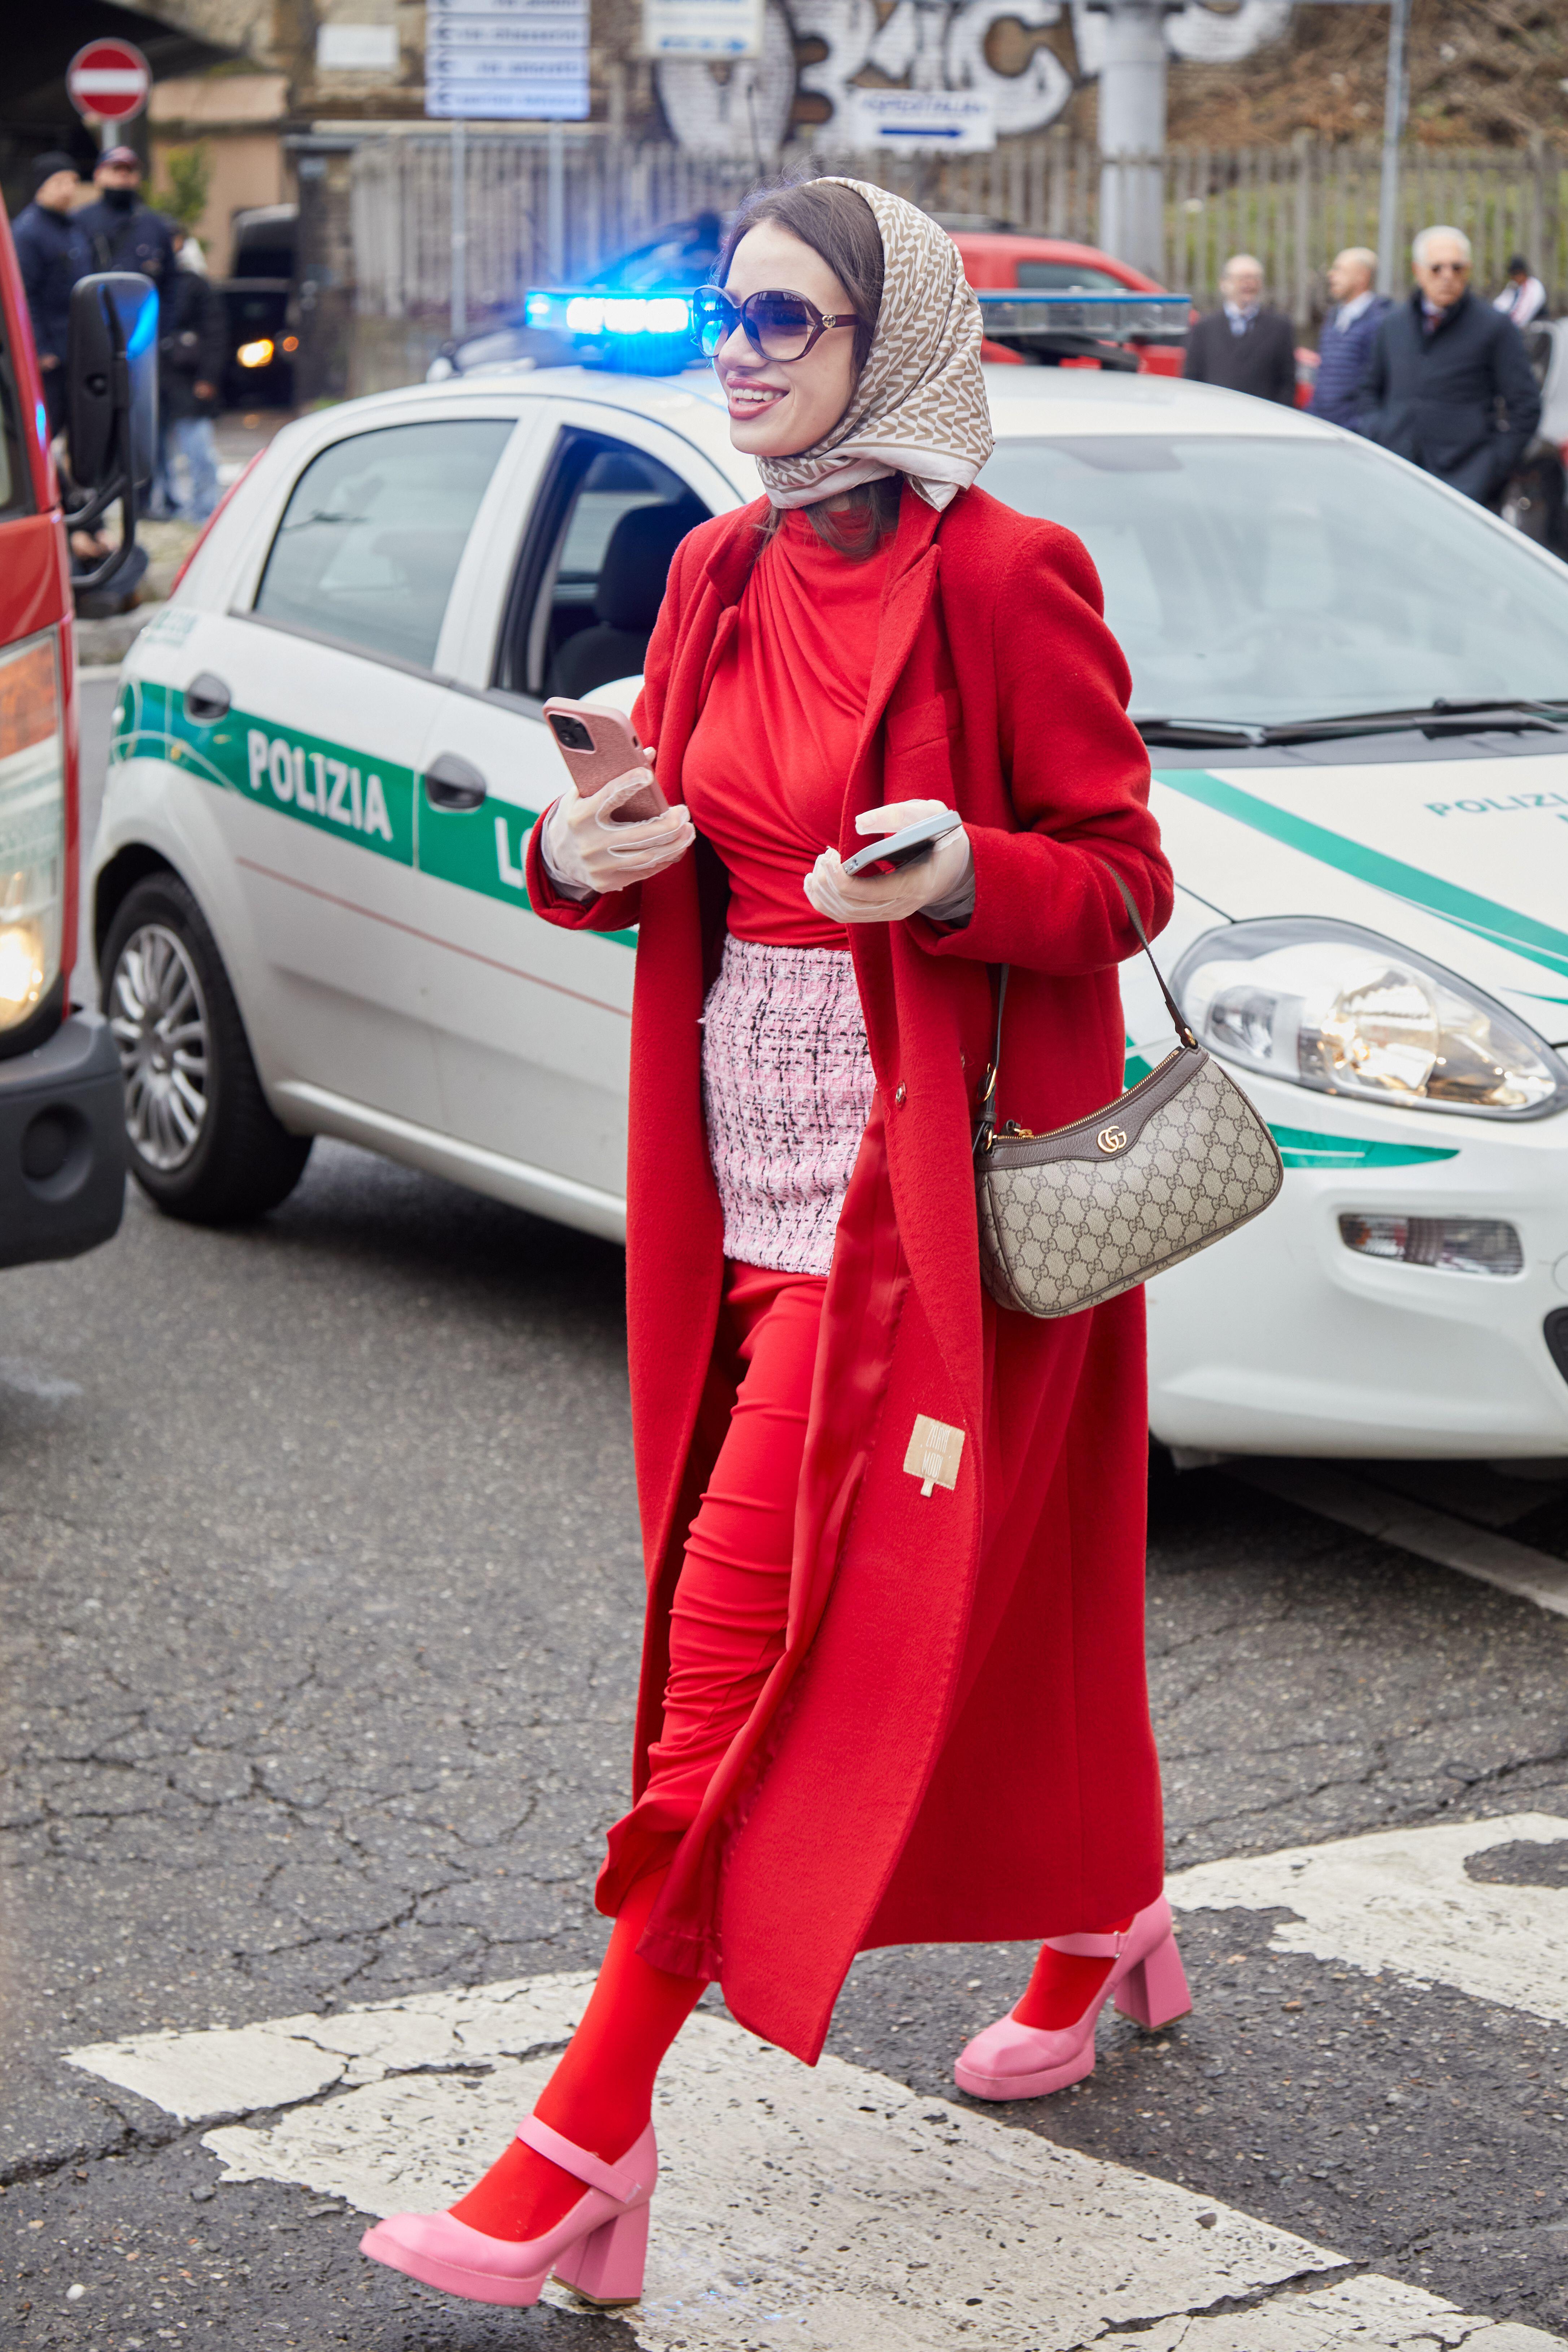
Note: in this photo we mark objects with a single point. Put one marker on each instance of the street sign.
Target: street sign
(110, 80)
(944, 122)
(507, 60)
(703, 29)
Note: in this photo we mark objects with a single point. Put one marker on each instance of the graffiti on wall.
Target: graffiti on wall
(817, 49)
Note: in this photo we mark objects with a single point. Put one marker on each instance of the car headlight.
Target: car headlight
(1330, 1006)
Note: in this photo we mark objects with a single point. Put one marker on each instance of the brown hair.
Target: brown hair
(841, 226)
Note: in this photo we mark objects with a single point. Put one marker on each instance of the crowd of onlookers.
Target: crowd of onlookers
(1442, 379)
(71, 229)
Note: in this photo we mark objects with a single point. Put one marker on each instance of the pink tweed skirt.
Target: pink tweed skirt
(786, 1089)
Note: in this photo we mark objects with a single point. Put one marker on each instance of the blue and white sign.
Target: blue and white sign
(939, 121)
(507, 60)
(703, 29)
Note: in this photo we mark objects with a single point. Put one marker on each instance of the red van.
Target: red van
(62, 1132)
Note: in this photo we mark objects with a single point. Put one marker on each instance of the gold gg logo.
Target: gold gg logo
(1111, 1139)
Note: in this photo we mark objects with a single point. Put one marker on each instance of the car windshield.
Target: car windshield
(1278, 580)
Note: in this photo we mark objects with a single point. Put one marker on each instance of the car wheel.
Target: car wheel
(204, 1144)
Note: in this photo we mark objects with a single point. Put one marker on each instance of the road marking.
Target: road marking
(1413, 1527)
(1399, 1903)
(826, 2208)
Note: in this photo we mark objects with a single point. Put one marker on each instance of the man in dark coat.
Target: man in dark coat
(190, 363)
(1344, 348)
(123, 232)
(1448, 384)
(1244, 345)
(53, 254)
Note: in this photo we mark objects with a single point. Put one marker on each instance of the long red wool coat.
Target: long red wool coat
(955, 1745)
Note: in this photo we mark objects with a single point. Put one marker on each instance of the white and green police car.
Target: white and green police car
(310, 917)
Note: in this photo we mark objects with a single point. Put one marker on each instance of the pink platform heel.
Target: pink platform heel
(1010, 2060)
(598, 2250)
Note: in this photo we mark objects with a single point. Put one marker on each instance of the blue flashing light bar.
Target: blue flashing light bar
(638, 333)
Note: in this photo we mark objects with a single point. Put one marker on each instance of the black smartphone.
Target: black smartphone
(905, 848)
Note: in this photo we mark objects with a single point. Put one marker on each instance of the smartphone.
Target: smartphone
(906, 848)
(598, 744)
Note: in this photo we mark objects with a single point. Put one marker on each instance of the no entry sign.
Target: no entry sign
(109, 78)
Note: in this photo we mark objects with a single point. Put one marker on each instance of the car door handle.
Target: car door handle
(453, 783)
(206, 699)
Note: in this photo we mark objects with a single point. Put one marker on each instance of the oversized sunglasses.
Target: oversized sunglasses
(780, 326)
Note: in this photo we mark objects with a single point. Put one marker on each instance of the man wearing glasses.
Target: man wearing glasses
(1448, 382)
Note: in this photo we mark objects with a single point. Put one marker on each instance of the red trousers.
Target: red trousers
(728, 1617)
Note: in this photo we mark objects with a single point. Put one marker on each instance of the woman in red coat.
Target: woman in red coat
(893, 1685)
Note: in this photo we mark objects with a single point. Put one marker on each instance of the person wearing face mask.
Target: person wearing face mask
(893, 1685)
(123, 232)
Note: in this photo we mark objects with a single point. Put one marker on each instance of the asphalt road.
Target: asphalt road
(321, 1598)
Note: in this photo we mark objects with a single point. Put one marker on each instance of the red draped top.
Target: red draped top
(769, 758)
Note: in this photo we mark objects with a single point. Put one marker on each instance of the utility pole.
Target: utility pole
(1132, 132)
(1389, 232)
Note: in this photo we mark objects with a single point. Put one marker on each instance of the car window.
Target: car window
(1276, 580)
(373, 531)
(607, 519)
(1067, 277)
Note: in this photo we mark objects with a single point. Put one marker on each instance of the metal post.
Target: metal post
(555, 203)
(460, 229)
(1389, 231)
(1132, 133)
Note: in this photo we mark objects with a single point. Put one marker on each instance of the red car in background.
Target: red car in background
(1002, 260)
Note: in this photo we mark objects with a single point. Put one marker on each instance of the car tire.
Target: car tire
(204, 1144)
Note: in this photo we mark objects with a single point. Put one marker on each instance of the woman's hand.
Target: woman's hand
(888, 898)
(589, 852)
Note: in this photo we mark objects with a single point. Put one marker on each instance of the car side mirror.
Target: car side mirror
(111, 403)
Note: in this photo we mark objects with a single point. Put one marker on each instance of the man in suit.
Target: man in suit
(1244, 345)
(1344, 347)
(1449, 384)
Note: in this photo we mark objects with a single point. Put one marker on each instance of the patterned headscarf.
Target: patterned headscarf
(920, 407)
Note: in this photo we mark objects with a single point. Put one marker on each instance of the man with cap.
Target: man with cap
(53, 254)
(123, 232)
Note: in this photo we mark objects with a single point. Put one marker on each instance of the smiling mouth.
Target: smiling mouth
(751, 399)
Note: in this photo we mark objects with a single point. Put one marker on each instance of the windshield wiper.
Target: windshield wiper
(1441, 717)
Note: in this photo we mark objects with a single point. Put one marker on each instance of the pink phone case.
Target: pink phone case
(614, 751)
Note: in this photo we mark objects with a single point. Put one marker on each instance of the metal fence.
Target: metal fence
(543, 210)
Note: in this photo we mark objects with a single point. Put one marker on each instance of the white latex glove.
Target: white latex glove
(587, 852)
(937, 879)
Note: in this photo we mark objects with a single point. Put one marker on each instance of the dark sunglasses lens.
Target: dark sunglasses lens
(781, 324)
(713, 315)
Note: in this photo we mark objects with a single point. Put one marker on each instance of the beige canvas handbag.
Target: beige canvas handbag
(1070, 1219)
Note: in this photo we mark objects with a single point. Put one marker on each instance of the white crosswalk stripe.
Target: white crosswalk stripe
(824, 2208)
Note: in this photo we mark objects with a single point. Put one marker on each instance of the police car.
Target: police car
(308, 885)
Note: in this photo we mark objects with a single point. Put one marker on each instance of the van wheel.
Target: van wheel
(204, 1142)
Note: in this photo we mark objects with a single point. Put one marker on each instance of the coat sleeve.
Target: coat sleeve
(1284, 387)
(618, 910)
(1079, 779)
(1521, 396)
(1194, 365)
(1375, 381)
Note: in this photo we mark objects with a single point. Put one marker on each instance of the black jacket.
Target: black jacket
(1434, 397)
(1261, 359)
(191, 345)
(138, 239)
(53, 254)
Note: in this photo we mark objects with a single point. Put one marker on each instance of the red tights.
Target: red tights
(727, 1628)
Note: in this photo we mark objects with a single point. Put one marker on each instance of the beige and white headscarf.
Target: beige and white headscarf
(920, 407)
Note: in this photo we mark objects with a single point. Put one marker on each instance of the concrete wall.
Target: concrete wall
(236, 118)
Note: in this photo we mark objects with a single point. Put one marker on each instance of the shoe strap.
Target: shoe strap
(620, 2182)
(1090, 1947)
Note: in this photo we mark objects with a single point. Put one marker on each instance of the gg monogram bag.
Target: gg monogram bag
(1073, 1218)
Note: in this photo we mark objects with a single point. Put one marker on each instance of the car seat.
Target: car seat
(625, 604)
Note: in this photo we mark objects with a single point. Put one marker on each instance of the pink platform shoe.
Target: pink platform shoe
(1010, 2060)
(598, 2250)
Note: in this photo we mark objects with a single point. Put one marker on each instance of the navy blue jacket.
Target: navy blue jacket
(53, 254)
(1343, 353)
(138, 239)
(1433, 397)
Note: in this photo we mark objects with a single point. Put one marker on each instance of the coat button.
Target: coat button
(897, 1095)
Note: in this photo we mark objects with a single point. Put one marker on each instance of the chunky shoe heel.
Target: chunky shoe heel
(1155, 1993)
(607, 2268)
(1010, 2060)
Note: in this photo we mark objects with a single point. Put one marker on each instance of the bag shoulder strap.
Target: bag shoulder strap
(986, 1124)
